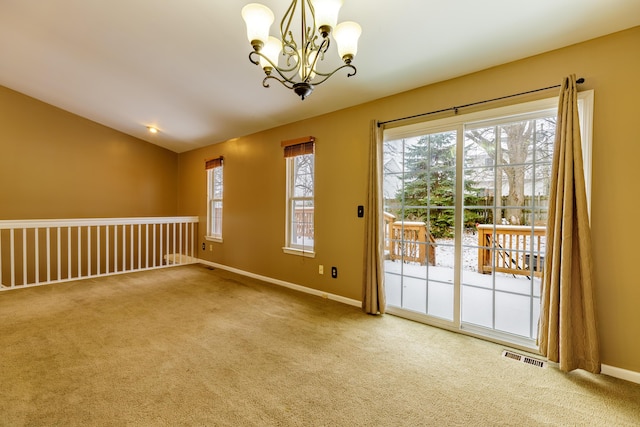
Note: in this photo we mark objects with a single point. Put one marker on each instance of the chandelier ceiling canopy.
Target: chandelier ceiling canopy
(294, 62)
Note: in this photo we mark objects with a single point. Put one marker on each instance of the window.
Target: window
(214, 198)
(299, 155)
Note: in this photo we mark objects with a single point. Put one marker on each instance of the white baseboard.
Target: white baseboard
(289, 285)
(623, 374)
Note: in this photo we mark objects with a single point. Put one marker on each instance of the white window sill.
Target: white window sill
(299, 252)
(213, 239)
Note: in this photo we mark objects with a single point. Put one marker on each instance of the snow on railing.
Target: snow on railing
(39, 252)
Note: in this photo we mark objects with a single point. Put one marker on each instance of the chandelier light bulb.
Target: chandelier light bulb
(271, 52)
(258, 19)
(347, 35)
(326, 13)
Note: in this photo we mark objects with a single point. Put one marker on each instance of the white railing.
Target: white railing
(38, 252)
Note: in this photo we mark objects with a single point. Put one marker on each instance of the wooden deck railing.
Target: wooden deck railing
(38, 252)
(388, 219)
(303, 222)
(517, 249)
(407, 241)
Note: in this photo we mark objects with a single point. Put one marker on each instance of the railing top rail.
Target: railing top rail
(410, 223)
(510, 227)
(47, 223)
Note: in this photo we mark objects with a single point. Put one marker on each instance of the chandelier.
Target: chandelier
(300, 59)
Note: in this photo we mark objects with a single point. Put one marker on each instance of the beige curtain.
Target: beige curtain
(373, 299)
(567, 332)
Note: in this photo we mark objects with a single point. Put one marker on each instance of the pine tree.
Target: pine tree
(429, 184)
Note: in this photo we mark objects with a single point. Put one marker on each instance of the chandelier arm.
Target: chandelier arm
(274, 66)
(324, 46)
(290, 50)
(254, 61)
(313, 13)
(320, 54)
(281, 72)
(284, 78)
(285, 24)
(328, 75)
(286, 83)
(309, 35)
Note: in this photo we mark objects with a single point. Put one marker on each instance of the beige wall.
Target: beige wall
(54, 164)
(254, 207)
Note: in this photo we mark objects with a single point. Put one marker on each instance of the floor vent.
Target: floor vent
(524, 359)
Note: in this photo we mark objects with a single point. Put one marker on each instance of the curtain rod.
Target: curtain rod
(579, 81)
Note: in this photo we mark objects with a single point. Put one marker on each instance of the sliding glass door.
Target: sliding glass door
(465, 214)
(419, 215)
(507, 166)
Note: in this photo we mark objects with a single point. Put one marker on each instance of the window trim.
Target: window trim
(292, 149)
(211, 165)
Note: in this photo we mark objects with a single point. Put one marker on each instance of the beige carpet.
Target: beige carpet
(199, 347)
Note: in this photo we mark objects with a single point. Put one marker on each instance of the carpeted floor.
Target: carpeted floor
(199, 347)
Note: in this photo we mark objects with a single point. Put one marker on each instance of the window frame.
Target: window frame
(459, 122)
(212, 183)
(291, 199)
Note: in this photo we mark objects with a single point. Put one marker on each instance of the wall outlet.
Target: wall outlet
(203, 246)
(334, 272)
(321, 269)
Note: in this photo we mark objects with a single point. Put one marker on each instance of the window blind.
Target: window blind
(299, 146)
(213, 163)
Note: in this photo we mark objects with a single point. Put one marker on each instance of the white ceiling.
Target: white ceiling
(182, 65)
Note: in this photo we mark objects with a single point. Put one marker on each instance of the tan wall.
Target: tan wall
(54, 164)
(254, 207)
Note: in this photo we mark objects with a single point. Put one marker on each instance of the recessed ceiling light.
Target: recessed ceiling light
(152, 129)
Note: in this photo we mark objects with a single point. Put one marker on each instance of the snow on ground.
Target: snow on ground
(444, 268)
(428, 289)
(445, 251)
